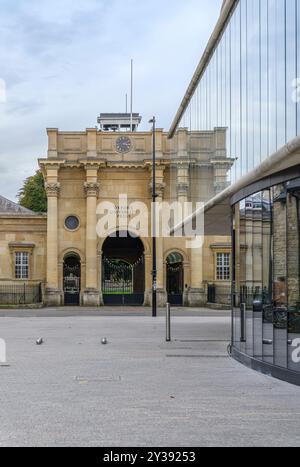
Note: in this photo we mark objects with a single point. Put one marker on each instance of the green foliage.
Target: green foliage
(33, 194)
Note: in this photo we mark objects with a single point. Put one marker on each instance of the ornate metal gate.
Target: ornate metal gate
(121, 282)
(175, 279)
(72, 285)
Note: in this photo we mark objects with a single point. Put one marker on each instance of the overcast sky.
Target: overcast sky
(65, 61)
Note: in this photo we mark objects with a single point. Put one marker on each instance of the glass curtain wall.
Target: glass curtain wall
(267, 271)
(250, 84)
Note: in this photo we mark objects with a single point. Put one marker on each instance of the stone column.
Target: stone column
(196, 294)
(182, 143)
(161, 287)
(53, 296)
(187, 282)
(91, 296)
(221, 168)
(183, 182)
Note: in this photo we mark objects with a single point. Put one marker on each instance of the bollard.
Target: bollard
(168, 323)
(243, 322)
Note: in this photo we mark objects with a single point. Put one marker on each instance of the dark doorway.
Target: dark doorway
(72, 276)
(175, 279)
(123, 271)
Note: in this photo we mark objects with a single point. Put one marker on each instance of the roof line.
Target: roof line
(226, 11)
(12, 207)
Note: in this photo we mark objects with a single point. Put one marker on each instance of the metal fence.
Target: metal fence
(219, 294)
(20, 294)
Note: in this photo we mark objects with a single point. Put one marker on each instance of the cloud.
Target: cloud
(2, 91)
(64, 62)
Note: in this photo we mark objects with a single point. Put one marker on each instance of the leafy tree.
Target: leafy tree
(33, 194)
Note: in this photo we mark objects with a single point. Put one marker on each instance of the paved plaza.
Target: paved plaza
(137, 390)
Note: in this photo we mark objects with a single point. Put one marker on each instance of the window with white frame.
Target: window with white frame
(22, 265)
(223, 266)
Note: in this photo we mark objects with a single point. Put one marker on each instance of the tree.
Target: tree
(33, 194)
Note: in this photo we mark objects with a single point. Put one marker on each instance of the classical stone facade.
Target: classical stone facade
(83, 169)
(21, 230)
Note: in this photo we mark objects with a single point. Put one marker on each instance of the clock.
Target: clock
(123, 144)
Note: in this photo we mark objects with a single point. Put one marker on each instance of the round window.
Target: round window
(72, 223)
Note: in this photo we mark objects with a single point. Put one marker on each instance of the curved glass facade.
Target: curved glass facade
(250, 83)
(266, 276)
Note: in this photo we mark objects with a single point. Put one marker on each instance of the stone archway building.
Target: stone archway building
(83, 169)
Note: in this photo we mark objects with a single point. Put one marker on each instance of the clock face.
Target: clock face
(123, 144)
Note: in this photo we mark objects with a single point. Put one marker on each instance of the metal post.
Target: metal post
(154, 196)
(168, 323)
(243, 322)
(131, 98)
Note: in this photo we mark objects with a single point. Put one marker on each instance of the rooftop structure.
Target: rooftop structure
(119, 121)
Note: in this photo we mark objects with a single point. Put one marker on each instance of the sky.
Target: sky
(63, 62)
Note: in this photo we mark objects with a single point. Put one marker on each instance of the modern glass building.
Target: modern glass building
(247, 82)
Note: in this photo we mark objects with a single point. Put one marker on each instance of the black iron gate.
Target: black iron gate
(72, 285)
(122, 282)
(175, 284)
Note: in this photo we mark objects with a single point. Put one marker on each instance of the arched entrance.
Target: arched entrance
(72, 276)
(175, 279)
(123, 270)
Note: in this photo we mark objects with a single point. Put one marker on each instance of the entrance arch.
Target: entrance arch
(175, 278)
(72, 279)
(123, 270)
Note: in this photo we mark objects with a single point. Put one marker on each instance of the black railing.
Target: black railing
(20, 294)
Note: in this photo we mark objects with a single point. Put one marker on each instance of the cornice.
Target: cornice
(93, 163)
(51, 163)
(125, 165)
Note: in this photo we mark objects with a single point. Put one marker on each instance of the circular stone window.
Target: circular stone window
(72, 223)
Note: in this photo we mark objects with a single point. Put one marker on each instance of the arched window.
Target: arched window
(175, 279)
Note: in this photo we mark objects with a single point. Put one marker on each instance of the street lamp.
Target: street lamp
(154, 196)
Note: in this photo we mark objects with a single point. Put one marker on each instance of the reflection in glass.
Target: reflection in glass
(267, 274)
(267, 280)
(280, 276)
(293, 265)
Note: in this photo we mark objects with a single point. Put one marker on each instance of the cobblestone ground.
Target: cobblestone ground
(137, 390)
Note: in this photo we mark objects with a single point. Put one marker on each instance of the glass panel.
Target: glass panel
(264, 79)
(281, 72)
(267, 279)
(272, 53)
(291, 72)
(280, 275)
(258, 209)
(244, 161)
(293, 267)
(246, 223)
(239, 273)
(297, 82)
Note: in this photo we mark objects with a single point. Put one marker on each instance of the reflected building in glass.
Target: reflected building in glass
(248, 82)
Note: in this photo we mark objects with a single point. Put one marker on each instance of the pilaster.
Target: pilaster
(160, 188)
(53, 296)
(183, 181)
(52, 143)
(91, 296)
(91, 143)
